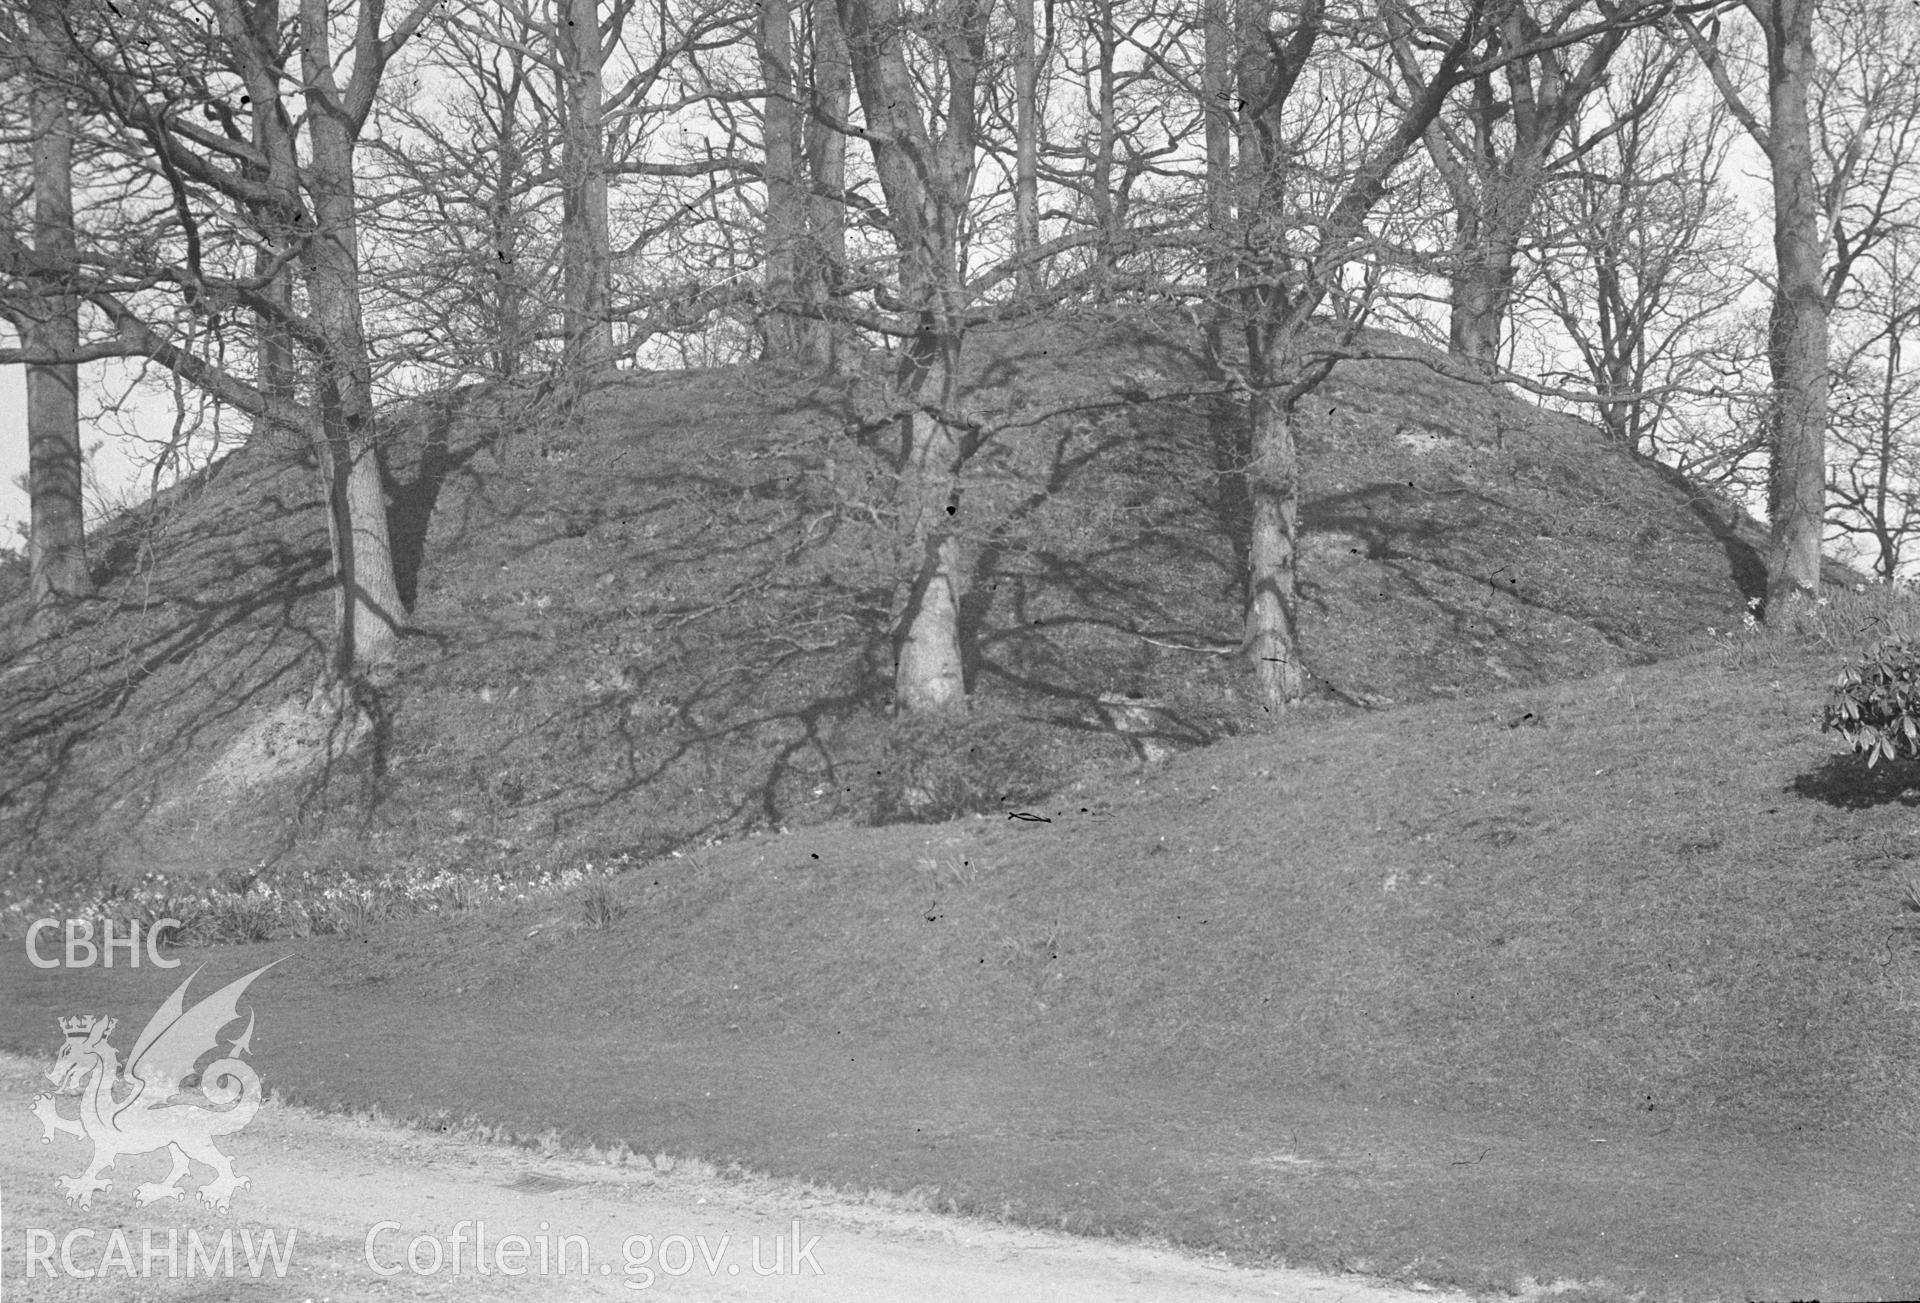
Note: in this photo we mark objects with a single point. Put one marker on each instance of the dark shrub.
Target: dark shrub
(1875, 702)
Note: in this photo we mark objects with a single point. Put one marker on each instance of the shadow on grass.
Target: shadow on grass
(1847, 783)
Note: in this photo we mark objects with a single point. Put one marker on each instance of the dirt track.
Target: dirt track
(339, 1191)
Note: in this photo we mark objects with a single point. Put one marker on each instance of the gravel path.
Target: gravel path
(343, 1198)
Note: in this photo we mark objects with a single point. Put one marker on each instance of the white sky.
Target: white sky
(13, 451)
(115, 463)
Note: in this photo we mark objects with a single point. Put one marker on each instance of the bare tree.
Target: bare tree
(926, 175)
(1121, 119)
(1874, 484)
(547, 223)
(829, 100)
(253, 37)
(1310, 172)
(1104, 193)
(1027, 60)
(1798, 342)
(1302, 197)
(161, 84)
(370, 610)
(1866, 111)
(1839, 136)
(1643, 269)
(808, 87)
(786, 200)
(586, 249)
(49, 326)
(466, 236)
(1500, 145)
(1866, 126)
(1221, 108)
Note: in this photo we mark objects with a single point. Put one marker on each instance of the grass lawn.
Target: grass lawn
(1603, 981)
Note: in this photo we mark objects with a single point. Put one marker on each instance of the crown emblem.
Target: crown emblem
(81, 1025)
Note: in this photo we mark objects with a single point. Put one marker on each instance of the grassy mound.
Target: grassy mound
(672, 624)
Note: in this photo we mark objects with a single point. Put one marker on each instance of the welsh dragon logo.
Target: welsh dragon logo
(135, 1113)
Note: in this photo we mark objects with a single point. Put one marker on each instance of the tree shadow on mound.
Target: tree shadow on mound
(212, 608)
(410, 502)
(1846, 783)
(1744, 562)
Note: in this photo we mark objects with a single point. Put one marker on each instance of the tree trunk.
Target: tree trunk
(926, 180)
(1283, 282)
(1886, 414)
(1026, 148)
(252, 35)
(586, 259)
(1273, 485)
(1495, 211)
(369, 614)
(929, 670)
(255, 34)
(1798, 344)
(1271, 319)
(1227, 425)
(1478, 300)
(277, 368)
(824, 264)
(1100, 182)
(1216, 88)
(504, 223)
(56, 540)
(929, 673)
(367, 607)
(786, 204)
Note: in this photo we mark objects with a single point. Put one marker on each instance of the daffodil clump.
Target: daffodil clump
(311, 903)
